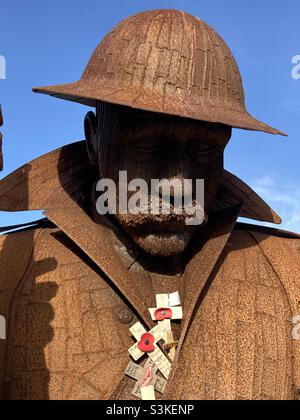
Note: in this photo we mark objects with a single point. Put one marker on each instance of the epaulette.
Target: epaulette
(268, 230)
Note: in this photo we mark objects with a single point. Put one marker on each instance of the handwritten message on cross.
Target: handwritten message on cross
(147, 344)
(168, 309)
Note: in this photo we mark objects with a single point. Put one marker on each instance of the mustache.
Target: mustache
(157, 223)
(158, 205)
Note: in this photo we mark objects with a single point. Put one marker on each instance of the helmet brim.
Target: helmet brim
(88, 93)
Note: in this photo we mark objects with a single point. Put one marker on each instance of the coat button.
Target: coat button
(125, 316)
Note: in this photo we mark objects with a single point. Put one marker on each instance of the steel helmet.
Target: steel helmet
(169, 62)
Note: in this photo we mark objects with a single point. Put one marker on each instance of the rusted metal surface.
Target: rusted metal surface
(79, 283)
(168, 62)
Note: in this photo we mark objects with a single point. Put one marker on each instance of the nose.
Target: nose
(174, 163)
(171, 189)
(175, 191)
(177, 185)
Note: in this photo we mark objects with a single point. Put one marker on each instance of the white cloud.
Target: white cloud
(283, 197)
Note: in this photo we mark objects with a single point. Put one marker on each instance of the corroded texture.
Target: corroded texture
(169, 62)
(81, 282)
(67, 341)
(70, 300)
(240, 347)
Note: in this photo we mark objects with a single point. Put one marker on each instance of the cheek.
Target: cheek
(212, 184)
(212, 176)
(116, 159)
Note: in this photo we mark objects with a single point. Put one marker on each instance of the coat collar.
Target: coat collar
(97, 242)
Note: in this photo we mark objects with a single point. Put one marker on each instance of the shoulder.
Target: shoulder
(17, 250)
(282, 248)
(277, 245)
(18, 242)
(264, 232)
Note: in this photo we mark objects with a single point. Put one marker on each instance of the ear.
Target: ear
(90, 130)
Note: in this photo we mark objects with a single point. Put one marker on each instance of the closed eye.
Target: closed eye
(143, 149)
(204, 152)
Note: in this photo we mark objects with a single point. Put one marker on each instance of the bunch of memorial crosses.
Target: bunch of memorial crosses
(152, 374)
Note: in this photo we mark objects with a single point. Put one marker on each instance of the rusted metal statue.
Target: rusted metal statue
(167, 92)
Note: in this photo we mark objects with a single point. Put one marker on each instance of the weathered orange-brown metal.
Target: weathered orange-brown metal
(169, 62)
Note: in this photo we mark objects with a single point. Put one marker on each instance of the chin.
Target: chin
(163, 244)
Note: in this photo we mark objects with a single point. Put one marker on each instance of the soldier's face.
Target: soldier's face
(151, 146)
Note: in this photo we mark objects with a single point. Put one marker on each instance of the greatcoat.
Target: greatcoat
(70, 289)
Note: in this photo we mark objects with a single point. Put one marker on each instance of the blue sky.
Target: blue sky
(50, 42)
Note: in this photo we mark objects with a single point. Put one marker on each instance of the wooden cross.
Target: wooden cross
(147, 344)
(146, 377)
(168, 308)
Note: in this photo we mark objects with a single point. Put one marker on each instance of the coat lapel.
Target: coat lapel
(97, 242)
(200, 269)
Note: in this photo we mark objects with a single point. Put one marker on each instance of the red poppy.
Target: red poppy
(146, 345)
(163, 313)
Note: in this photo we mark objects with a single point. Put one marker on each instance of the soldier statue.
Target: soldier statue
(77, 286)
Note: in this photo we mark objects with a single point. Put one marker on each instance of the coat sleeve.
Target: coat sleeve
(283, 253)
(295, 244)
(15, 255)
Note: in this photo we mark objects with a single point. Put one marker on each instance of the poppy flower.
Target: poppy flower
(163, 313)
(146, 345)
